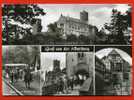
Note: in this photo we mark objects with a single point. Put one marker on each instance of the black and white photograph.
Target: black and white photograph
(67, 73)
(66, 24)
(21, 70)
(113, 70)
(67, 49)
(80, 66)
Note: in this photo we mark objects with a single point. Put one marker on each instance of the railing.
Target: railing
(12, 87)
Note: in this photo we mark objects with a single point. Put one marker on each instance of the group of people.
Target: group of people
(17, 74)
(61, 85)
(64, 85)
(14, 75)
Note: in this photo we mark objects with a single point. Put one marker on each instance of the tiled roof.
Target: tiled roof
(113, 52)
(67, 18)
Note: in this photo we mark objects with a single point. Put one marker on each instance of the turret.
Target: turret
(84, 16)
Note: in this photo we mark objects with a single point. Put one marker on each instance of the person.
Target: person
(72, 83)
(7, 75)
(65, 85)
(61, 85)
(16, 76)
(75, 80)
(12, 76)
(27, 78)
(117, 89)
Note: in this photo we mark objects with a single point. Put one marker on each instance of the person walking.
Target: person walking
(65, 85)
(72, 83)
(27, 78)
(12, 76)
(60, 86)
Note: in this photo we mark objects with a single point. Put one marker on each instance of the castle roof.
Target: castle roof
(113, 52)
(99, 60)
(104, 57)
(67, 18)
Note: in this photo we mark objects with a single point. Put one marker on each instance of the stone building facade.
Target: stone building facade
(76, 26)
(119, 68)
(79, 61)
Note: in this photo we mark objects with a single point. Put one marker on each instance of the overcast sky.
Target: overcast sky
(104, 52)
(98, 13)
(47, 60)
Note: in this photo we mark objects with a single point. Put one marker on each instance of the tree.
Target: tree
(101, 33)
(20, 54)
(72, 38)
(84, 39)
(52, 27)
(54, 32)
(101, 36)
(117, 26)
(17, 20)
(15, 54)
(128, 16)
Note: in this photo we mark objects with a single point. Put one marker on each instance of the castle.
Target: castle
(69, 25)
(76, 26)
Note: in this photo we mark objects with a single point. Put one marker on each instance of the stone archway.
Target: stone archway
(81, 71)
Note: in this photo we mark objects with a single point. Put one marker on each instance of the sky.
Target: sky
(47, 60)
(98, 13)
(104, 52)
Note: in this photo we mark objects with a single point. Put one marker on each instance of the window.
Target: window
(119, 67)
(80, 55)
(72, 59)
(62, 25)
(69, 26)
(78, 28)
(72, 27)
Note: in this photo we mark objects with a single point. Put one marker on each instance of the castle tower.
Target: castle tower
(84, 16)
(56, 66)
